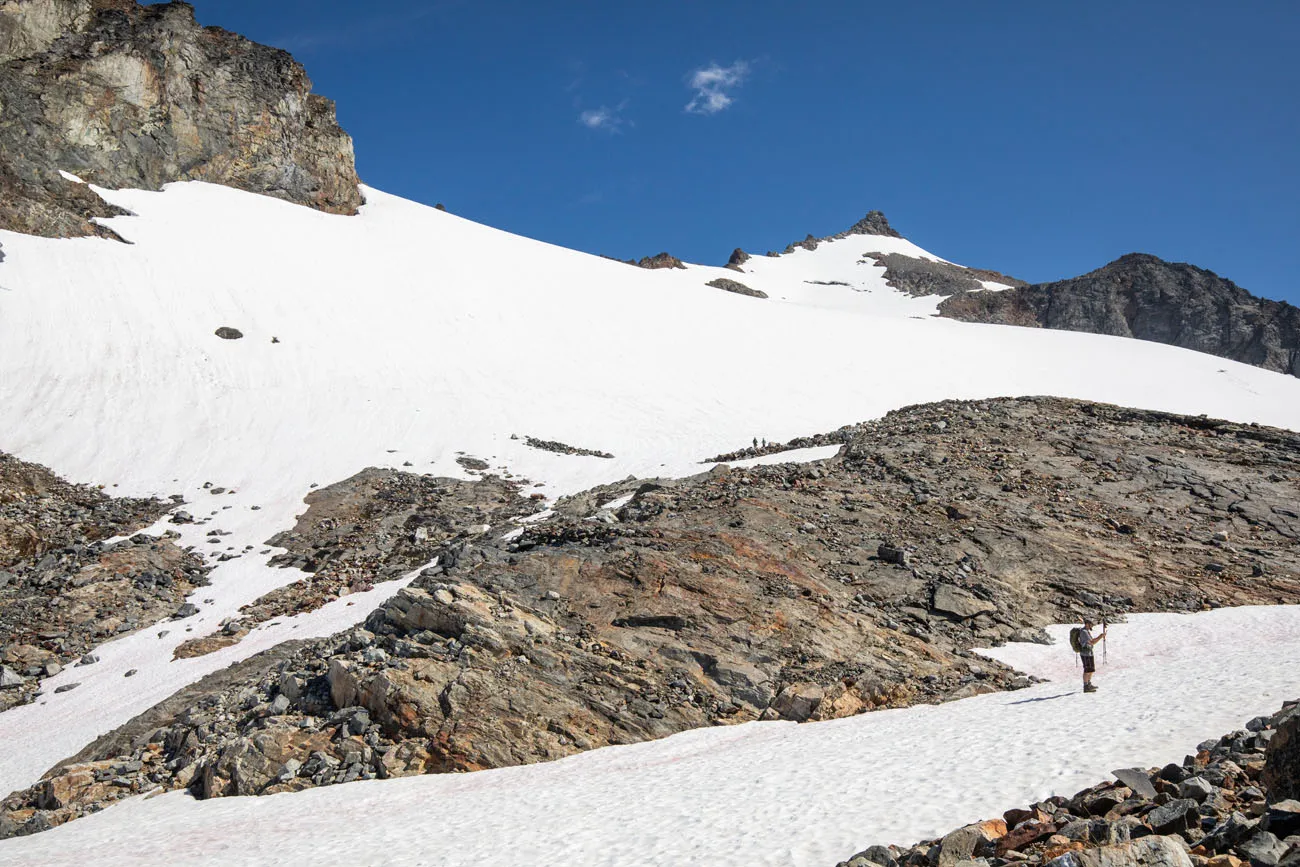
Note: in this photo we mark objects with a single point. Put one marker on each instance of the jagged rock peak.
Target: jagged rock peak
(874, 223)
(81, 79)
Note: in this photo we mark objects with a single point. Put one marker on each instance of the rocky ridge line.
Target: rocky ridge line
(125, 95)
(874, 223)
(1230, 804)
(1147, 298)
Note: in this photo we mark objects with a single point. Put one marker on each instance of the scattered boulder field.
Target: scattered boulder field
(1231, 803)
(75, 572)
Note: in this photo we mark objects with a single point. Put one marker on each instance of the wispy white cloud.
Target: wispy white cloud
(604, 118)
(712, 84)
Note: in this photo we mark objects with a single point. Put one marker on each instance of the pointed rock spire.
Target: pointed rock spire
(874, 223)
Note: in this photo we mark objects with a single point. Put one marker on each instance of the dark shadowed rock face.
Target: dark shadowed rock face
(1145, 297)
(125, 95)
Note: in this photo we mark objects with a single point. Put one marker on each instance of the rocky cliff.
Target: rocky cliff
(1145, 297)
(648, 607)
(125, 95)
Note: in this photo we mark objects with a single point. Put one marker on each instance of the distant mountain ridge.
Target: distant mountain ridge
(136, 96)
(1143, 296)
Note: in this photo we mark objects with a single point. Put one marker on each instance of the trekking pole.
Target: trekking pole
(1103, 640)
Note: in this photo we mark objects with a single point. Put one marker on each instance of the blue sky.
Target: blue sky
(1038, 139)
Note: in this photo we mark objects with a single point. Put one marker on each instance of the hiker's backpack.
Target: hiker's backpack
(1076, 639)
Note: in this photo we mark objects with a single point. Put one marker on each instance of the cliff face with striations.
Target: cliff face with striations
(1148, 298)
(126, 95)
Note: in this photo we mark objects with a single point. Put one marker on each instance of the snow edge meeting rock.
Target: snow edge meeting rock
(798, 592)
(1230, 803)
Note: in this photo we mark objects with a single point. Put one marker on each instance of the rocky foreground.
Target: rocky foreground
(1231, 803)
(648, 607)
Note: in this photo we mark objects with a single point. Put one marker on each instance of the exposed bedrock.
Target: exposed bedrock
(125, 95)
(1148, 298)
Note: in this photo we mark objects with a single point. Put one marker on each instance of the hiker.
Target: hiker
(755, 442)
(1082, 642)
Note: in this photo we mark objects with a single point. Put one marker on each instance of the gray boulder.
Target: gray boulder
(1155, 851)
(1136, 779)
(1263, 849)
(1196, 788)
(1173, 816)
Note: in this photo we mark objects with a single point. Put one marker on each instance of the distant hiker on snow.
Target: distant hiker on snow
(1081, 642)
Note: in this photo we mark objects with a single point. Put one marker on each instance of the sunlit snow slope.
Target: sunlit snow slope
(407, 334)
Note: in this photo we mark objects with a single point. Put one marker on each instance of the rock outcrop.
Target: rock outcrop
(1218, 808)
(921, 277)
(1145, 297)
(374, 527)
(736, 287)
(874, 223)
(63, 588)
(124, 95)
(738, 257)
(657, 261)
(797, 592)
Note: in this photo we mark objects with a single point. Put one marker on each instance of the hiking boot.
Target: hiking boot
(1087, 687)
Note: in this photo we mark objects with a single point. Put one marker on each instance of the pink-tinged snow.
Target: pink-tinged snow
(774, 794)
(407, 334)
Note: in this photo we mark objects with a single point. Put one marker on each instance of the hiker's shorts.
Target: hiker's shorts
(1089, 663)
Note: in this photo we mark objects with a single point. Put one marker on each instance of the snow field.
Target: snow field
(408, 335)
(756, 794)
